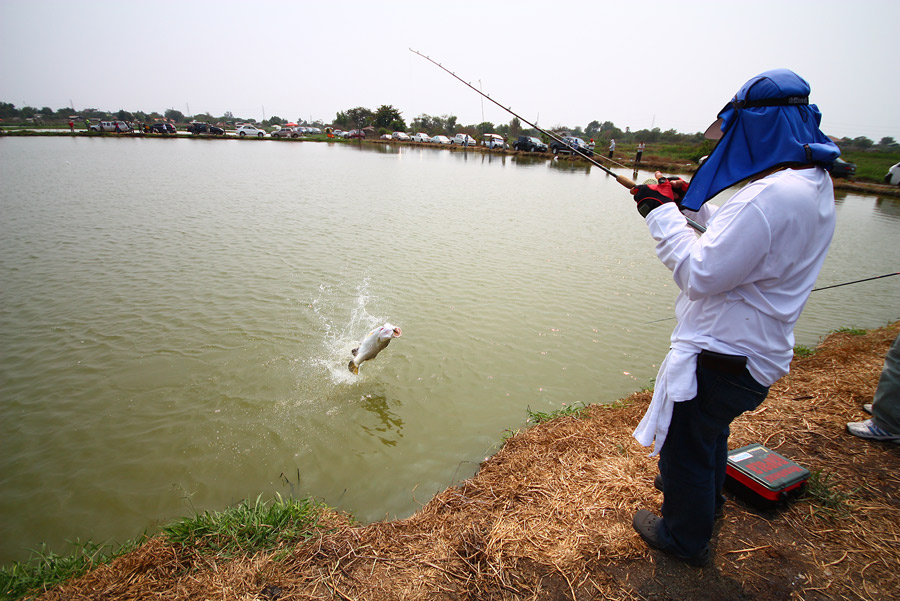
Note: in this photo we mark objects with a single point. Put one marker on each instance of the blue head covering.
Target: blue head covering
(769, 123)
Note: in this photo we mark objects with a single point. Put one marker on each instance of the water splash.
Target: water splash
(344, 325)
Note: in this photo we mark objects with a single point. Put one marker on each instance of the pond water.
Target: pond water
(176, 318)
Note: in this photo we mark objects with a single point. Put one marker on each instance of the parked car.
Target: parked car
(356, 133)
(285, 132)
(464, 140)
(570, 143)
(440, 140)
(386, 137)
(250, 130)
(401, 136)
(162, 128)
(197, 127)
(421, 137)
(110, 126)
(493, 141)
(842, 168)
(893, 175)
(313, 130)
(530, 144)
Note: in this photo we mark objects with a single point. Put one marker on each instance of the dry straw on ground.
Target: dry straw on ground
(549, 517)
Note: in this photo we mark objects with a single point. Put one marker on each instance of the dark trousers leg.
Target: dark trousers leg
(693, 459)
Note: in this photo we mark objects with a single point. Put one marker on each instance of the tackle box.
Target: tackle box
(763, 477)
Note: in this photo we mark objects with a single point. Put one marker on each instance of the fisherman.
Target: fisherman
(742, 285)
(612, 147)
(640, 152)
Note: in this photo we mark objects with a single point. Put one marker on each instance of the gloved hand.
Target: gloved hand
(651, 196)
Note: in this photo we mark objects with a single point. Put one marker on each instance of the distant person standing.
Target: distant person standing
(117, 128)
(640, 151)
(612, 147)
(71, 126)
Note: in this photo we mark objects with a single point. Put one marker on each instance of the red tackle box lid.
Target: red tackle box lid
(765, 472)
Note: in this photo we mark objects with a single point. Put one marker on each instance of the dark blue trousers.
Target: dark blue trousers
(693, 459)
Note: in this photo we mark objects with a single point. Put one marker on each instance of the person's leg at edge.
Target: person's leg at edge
(886, 404)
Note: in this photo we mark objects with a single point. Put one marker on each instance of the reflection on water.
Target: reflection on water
(389, 427)
(888, 206)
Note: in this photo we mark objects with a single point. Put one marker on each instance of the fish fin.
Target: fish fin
(353, 367)
(354, 351)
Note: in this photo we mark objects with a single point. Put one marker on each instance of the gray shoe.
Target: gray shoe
(645, 524)
(868, 408)
(867, 429)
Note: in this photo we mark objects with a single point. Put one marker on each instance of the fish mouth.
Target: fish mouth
(398, 332)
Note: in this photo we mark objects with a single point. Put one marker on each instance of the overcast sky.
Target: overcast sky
(639, 64)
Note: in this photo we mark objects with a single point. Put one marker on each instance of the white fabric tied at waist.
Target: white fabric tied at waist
(675, 382)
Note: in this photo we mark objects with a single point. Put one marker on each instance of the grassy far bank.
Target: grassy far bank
(872, 165)
(548, 517)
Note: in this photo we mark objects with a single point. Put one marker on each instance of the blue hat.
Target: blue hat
(769, 123)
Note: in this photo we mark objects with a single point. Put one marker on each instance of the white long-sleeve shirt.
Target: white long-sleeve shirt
(743, 283)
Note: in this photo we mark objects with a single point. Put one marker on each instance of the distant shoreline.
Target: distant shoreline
(648, 162)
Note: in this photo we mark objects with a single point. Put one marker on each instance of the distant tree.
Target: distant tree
(203, 118)
(8, 110)
(515, 128)
(863, 142)
(274, 120)
(450, 125)
(47, 111)
(359, 117)
(173, 115)
(485, 127)
(28, 112)
(887, 141)
(592, 128)
(124, 115)
(388, 116)
(228, 116)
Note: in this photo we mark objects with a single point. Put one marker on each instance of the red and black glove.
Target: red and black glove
(651, 196)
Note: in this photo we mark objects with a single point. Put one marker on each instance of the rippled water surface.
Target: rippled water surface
(176, 318)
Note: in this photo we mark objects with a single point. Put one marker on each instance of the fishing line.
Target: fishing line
(628, 183)
(877, 277)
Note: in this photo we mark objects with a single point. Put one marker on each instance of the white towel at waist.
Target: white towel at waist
(675, 382)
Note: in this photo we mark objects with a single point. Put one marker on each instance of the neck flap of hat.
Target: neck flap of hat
(769, 123)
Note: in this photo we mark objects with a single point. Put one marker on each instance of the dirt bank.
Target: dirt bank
(549, 517)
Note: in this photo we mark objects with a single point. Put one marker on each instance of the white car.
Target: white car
(386, 136)
(440, 140)
(464, 140)
(421, 137)
(493, 141)
(111, 126)
(250, 130)
(400, 135)
(893, 175)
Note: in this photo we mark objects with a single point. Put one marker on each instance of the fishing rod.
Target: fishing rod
(625, 181)
(877, 277)
(628, 183)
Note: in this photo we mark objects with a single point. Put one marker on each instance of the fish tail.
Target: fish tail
(353, 367)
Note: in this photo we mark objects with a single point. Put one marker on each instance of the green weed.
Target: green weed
(539, 417)
(853, 331)
(824, 496)
(46, 569)
(248, 528)
(803, 351)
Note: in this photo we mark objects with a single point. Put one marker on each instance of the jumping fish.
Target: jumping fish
(375, 342)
